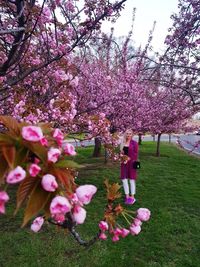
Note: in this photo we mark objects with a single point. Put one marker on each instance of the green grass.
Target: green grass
(169, 186)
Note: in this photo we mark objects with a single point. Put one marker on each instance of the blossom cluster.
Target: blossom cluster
(143, 215)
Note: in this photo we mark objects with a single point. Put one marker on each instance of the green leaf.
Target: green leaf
(67, 164)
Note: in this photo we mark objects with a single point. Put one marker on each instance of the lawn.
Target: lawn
(169, 186)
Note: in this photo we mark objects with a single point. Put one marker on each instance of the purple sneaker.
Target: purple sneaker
(130, 201)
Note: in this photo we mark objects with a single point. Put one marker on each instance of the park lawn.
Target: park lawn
(169, 186)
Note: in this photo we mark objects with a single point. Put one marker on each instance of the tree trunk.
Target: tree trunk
(170, 138)
(139, 139)
(97, 147)
(158, 146)
(106, 156)
(154, 137)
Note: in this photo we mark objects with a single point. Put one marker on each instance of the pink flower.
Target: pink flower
(3, 199)
(49, 183)
(137, 222)
(143, 214)
(53, 154)
(85, 193)
(16, 175)
(59, 136)
(135, 230)
(32, 133)
(59, 217)
(103, 236)
(44, 141)
(124, 232)
(117, 231)
(79, 214)
(37, 224)
(74, 199)
(69, 149)
(103, 225)
(115, 238)
(34, 169)
(59, 205)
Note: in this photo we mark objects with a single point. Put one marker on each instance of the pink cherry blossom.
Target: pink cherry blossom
(103, 226)
(3, 199)
(143, 214)
(44, 141)
(103, 236)
(124, 232)
(49, 183)
(58, 135)
(69, 149)
(32, 133)
(53, 154)
(137, 222)
(117, 231)
(115, 238)
(85, 193)
(59, 217)
(34, 169)
(135, 230)
(79, 214)
(16, 175)
(37, 224)
(59, 205)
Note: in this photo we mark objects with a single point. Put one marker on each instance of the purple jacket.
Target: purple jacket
(127, 170)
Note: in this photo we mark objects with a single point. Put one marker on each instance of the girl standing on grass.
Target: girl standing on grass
(129, 147)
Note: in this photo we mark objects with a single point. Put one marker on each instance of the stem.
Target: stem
(125, 218)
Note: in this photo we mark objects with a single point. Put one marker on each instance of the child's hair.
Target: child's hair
(123, 141)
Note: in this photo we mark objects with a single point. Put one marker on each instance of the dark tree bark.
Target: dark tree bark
(139, 139)
(158, 146)
(97, 147)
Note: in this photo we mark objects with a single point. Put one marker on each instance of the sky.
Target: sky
(147, 11)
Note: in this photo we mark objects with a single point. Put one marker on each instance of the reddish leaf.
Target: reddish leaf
(3, 169)
(37, 149)
(112, 190)
(9, 153)
(25, 188)
(36, 203)
(12, 125)
(21, 155)
(66, 179)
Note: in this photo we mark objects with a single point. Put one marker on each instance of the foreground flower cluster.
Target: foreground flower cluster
(45, 176)
(143, 215)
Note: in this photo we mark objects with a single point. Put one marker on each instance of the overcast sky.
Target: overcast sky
(147, 11)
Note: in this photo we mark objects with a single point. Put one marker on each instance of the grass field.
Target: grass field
(169, 186)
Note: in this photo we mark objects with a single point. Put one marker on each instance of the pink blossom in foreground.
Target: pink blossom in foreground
(137, 222)
(16, 175)
(44, 141)
(117, 231)
(135, 230)
(37, 224)
(59, 205)
(53, 154)
(103, 236)
(143, 214)
(79, 214)
(85, 193)
(103, 226)
(124, 232)
(3, 199)
(49, 183)
(59, 217)
(69, 149)
(115, 238)
(34, 169)
(32, 133)
(59, 136)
